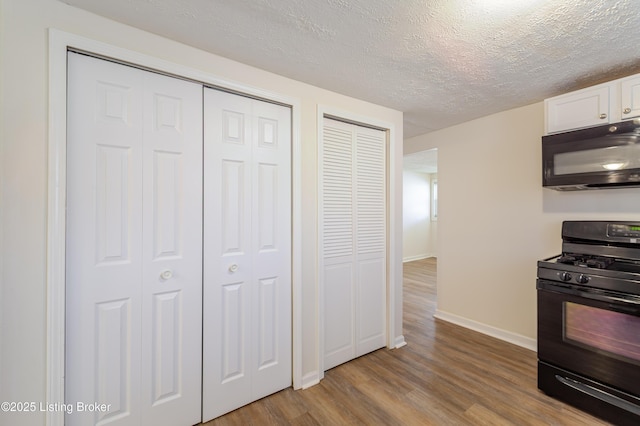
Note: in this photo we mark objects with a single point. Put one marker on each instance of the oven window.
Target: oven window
(610, 331)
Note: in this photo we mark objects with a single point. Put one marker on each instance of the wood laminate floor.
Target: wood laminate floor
(445, 375)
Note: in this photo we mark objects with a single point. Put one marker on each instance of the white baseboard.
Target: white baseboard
(399, 342)
(498, 333)
(313, 378)
(310, 379)
(417, 257)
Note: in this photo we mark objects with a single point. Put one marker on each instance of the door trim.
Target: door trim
(395, 338)
(59, 43)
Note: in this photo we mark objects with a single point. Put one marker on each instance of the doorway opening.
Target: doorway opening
(420, 210)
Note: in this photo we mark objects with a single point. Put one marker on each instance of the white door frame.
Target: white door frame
(394, 340)
(59, 43)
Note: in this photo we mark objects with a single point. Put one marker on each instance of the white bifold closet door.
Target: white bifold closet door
(134, 246)
(247, 251)
(352, 240)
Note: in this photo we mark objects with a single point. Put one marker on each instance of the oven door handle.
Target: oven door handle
(619, 304)
(624, 309)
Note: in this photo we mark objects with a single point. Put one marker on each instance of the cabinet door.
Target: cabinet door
(583, 108)
(630, 97)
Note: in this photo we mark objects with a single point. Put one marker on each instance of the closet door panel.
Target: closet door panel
(247, 250)
(371, 309)
(339, 318)
(352, 240)
(227, 253)
(271, 247)
(371, 231)
(104, 241)
(172, 250)
(336, 238)
(133, 290)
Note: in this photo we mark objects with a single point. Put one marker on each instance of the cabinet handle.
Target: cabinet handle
(626, 110)
(603, 116)
(233, 268)
(167, 274)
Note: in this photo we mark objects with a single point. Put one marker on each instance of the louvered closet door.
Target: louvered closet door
(352, 240)
(247, 251)
(134, 246)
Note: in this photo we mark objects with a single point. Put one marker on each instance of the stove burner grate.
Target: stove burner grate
(598, 262)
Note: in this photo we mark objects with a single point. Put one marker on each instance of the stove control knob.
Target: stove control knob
(564, 276)
(582, 279)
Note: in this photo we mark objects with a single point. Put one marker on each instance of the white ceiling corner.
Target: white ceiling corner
(441, 62)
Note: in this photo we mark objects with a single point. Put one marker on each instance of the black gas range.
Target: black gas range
(589, 320)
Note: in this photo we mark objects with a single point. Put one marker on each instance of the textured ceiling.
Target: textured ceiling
(441, 62)
(422, 162)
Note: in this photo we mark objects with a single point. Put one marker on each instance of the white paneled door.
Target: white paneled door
(247, 251)
(352, 240)
(134, 246)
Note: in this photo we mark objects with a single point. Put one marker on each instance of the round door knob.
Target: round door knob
(166, 274)
(626, 110)
(233, 268)
(603, 116)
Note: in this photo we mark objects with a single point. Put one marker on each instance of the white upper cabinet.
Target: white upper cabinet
(583, 108)
(605, 103)
(630, 97)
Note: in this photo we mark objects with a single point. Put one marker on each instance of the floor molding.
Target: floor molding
(498, 333)
(399, 342)
(310, 379)
(417, 257)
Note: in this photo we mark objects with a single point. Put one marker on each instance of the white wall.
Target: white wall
(495, 220)
(23, 177)
(2, 38)
(419, 232)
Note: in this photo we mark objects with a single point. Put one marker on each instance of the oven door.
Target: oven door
(590, 332)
